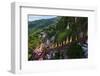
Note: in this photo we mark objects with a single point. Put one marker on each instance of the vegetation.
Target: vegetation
(67, 33)
(75, 51)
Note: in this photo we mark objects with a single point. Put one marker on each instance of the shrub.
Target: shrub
(75, 51)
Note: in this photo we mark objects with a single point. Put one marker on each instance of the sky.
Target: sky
(34, 17)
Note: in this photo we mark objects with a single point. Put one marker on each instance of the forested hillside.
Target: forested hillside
(63, 37)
